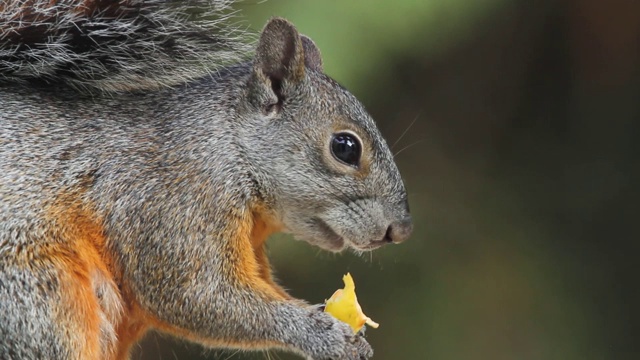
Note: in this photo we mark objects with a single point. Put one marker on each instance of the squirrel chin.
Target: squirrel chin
(370, 246)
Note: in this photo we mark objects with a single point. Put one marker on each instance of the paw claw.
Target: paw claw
(335, 339)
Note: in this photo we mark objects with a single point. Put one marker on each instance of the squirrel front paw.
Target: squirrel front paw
(331, 339)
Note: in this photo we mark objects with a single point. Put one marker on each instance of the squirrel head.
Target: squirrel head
(320, 163)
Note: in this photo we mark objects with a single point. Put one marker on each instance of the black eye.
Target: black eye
(346, 148)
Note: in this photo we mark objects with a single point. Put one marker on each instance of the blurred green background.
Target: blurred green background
(515, 125)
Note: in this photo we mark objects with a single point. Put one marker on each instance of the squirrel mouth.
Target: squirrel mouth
(332, 240)
(372, 245)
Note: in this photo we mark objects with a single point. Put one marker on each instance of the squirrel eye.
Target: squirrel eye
(346, 148)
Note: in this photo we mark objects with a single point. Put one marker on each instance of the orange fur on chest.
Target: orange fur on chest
(91, 305)
(253, 268)
(259, 235)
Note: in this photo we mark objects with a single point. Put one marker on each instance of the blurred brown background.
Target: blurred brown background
(520, 154)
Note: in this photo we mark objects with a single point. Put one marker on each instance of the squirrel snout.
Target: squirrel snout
(399, 231)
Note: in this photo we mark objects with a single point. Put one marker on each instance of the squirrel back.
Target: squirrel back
(116, 45)
(147, 204)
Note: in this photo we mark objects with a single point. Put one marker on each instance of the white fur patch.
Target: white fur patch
(110, 310)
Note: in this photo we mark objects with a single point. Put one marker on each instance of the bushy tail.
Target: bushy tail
(115, 45)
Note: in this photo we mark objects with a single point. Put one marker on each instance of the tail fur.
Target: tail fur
(115, 45)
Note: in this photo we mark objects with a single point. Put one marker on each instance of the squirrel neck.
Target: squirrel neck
(227, 154)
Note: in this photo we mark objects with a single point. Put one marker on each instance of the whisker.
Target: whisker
(232, 354)
(405, 131)
(406, 147)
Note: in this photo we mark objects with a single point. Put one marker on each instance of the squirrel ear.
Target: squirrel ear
(312, 58)
(280, 54)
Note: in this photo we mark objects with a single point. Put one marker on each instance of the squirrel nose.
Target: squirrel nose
(399, 231)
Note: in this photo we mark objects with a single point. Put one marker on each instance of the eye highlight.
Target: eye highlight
(346, 148)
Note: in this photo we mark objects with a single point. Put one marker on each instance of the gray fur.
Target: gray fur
(173, 173)
(116, 45)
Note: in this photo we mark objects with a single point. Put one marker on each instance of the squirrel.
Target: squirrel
(144, 161)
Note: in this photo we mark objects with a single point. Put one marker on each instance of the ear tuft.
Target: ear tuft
(312, 58)
(280, 54)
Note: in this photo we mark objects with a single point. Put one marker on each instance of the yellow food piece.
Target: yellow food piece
(343, 305)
